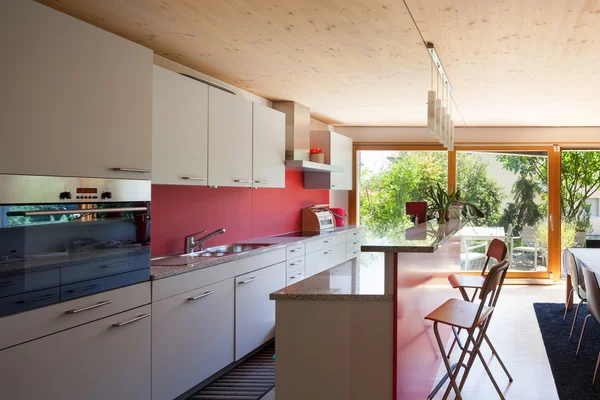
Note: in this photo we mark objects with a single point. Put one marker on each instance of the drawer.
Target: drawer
(359, 234)
(295, 250)
(26, 326)
(295, 263)
(29, 281)
(321, 260)
(350, 254)
(352, 245)
(86, 288)
(104, 267)
(325, 242)
(295, 276)
(28, 301)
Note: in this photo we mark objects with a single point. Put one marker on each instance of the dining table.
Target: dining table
(585, 258)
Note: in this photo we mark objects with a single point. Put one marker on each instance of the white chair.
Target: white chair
(467, 254)
(580, 239)
(532, 244)
(509, 239)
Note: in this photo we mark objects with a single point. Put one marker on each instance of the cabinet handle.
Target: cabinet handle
(355, 242)
(327, 252)
(326, 241)
(242, 181)
(140, 170)
(194, 178)
(120, 324)
(48, 296)
(355, 233)
(83, 289)
(248, 280)
(334, 186)
(295, 250)
(202, 295)
(100, 304)
(261, 181)
(4, 284)
(116, 264)
(297, 276)
(295, 263)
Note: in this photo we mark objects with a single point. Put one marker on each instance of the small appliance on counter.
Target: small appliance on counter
(340, 215)
(317, 218)
(63, 238)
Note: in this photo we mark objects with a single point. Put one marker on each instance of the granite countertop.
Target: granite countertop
(158, 271)
(423, 238)
(354, 283)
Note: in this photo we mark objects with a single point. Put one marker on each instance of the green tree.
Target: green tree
(524, 210)
(383, 195)
(580, 171)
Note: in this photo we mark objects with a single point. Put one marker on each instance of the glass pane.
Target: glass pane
(511, 189)
(580, 182)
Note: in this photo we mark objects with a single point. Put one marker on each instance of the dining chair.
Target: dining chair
(475, 319)
(593, 291)
(509, 239)
(578, 282)
(497, 250)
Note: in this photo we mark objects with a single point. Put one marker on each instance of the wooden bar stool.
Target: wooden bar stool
(499, 251)
(475, 319)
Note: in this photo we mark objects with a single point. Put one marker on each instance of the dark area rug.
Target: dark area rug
(572, 375)
(250, 380)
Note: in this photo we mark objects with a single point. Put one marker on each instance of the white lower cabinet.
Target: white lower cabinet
(323, 259)
(105, 359)
(192, 338)
(254, 311)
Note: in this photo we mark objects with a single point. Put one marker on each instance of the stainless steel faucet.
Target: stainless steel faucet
(191, 243)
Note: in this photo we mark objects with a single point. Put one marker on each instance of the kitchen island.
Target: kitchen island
(340, 336)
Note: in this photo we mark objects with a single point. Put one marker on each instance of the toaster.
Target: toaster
(317, 218)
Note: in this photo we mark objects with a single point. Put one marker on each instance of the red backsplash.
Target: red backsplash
(178, 211)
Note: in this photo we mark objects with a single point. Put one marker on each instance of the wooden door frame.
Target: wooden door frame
(554, 157)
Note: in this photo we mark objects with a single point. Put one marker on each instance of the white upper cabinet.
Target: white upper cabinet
(338, 152)
(179, 129)
(229, 140)
(268, 148)
(76, 100)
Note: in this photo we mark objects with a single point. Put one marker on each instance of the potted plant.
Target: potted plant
(440, 201)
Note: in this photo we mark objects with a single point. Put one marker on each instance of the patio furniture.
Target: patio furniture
(509, 239)
(532, 244)
(484, 234)
(475, 319)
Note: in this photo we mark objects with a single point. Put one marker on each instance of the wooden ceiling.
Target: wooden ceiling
(363, 62)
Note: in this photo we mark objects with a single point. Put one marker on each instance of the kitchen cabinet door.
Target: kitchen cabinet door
(254, 312)
(341, 155)
(268, 147)
(77, 100)
(229, 139)
(179, 129)
(192, 338)
(95, 361)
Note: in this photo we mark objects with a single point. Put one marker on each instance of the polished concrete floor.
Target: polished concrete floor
(516, 336)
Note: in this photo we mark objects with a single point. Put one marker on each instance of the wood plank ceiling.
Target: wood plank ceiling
(362, 62)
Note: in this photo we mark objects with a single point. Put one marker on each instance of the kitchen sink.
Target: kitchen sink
(211, 252)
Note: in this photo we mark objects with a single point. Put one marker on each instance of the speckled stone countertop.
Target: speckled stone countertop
(160, 270)
(353, 283)
(423, 238)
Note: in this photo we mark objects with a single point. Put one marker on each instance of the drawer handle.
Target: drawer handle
(326, 241)
(140, 170)
(5, 284)
(261, 181)
(295, 250)
(297, 276)
(45, 297)
(83, 289)
(202, 295)
(139, 317)
(242, 181)
(100, 304)
(194, 178)
(116, 264)
(248, 280)
(334, 186)
(355, 242)
(327, 252)
(355, 233)
(295, 263)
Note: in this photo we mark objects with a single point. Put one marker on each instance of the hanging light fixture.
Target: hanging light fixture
(439, 118)
(431, 100)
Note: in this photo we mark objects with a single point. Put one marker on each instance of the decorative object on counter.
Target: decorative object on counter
(442, 200)
(317, 218)
(417, 211)
(339, 214)
(317, 155)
